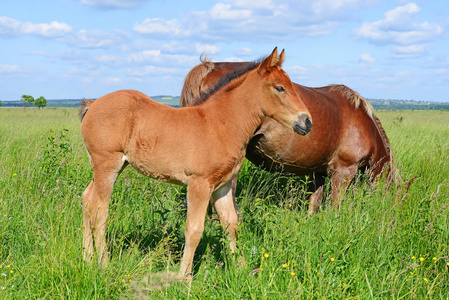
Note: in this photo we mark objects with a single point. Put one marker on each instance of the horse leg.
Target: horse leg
(96, 204)
(315, 199)
(198, 195)
(225, 206)
(340, 180)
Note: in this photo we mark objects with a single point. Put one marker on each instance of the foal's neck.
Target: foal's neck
(237, 106)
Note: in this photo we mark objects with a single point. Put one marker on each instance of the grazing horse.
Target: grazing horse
(201, 147)
(346, 135)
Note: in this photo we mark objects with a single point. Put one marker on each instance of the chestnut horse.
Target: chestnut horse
(346, 135)
(201, 147)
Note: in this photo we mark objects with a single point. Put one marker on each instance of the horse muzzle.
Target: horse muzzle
(303, 125)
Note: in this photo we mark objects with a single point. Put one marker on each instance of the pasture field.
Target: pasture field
(381, 244)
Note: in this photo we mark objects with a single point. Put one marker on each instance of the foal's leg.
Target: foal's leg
(198, 195)
(96, 203)
(224, 203)
(88, 242)
(234, 190)
(340, 180)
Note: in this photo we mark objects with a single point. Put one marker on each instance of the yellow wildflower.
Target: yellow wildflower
(266, 255)
(332, 259)
(421, 258)
(292, 273)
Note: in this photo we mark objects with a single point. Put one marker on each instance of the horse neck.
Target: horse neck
(237, 107)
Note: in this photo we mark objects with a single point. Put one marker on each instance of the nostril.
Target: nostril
(308, 124)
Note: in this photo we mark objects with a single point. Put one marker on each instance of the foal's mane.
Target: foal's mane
(227, 78)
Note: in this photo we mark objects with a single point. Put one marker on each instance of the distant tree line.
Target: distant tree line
(384, 104)
(29, 100)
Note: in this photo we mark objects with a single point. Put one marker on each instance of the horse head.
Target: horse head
(280, 100)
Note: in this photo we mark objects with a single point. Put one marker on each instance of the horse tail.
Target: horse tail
(84, 106)
(393, 175)
(191, 91)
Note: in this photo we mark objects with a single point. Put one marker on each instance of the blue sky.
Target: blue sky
(87, 48)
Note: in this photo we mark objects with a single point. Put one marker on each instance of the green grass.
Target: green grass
(381, 244)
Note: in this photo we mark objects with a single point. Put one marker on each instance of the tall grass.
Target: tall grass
(390, 244)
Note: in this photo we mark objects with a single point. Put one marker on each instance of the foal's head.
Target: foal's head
(280, 100)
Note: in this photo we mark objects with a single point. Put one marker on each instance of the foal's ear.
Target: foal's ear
(269, 62)
(281, 58)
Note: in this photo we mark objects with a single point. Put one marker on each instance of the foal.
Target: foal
(200, 147)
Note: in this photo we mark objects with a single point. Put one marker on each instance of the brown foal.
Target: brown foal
(201, 147)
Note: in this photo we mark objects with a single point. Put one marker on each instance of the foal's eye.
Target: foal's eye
(280, 89)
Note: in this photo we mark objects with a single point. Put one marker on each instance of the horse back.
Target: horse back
(343, 134)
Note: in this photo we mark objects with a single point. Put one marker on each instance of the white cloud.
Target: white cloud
(222, 11)
(152, 70)
(366, 58)
(176, 47)
(248, 20)
(111, 4)
(244, 51)
(207, 49)
(146, 56)
(91, 39)
(251, 4)
(155, 57)
(323, 7)
(411, 51)
(13, 28)
(399, 27)
(11, 69)
(95, 39)
(62, 32)
(110, 60)
(442, 71)
(160, 27)
(112, 80)
(296, 70)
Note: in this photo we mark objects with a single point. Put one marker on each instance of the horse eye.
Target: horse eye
(280, 89)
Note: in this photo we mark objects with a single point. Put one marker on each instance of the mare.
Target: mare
(346, 135)
(201, 147)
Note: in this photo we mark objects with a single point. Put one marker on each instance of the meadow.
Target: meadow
(381, 244)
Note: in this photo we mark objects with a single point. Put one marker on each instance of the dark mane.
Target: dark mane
(225, 79)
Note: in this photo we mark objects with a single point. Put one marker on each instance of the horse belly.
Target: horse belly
(278, 149)
(158, 171)
(157, 161)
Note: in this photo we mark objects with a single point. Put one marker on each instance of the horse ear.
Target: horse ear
(270, 61)
(281, 58)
